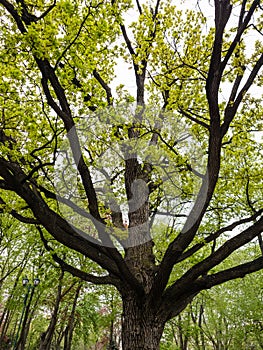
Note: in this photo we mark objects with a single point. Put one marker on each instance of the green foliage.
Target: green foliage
(229, 316)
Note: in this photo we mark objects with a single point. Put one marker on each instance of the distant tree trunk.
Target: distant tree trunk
(46, 337)
(4, 324)
(70, 326)
(7, 315)
(183, 336)
(197, 319)
(29, 313)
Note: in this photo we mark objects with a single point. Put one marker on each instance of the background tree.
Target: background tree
(224, 318)
(57, 62)
(61, 305)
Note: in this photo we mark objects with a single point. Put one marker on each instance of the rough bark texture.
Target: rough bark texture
(141, 330)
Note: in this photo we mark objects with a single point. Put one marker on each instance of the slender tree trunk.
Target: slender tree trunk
(182, 335)
(141, 330)
(7, 316)
(70, 326)
(47, 336)
(29, 314)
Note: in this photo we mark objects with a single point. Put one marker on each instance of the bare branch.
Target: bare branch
(127, 40)
(242, 13)
(240, 31)
(236, 86)
(156, 10)
(73, 41)
(198, 121)
(231, 108)
(139, 6)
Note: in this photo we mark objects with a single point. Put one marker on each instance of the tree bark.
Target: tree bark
(141, 329)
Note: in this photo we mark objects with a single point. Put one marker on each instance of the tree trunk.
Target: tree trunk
(141, 330)
(70, 326)
(47, 336)
(29, 314)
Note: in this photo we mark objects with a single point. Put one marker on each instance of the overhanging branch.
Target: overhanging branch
(75, 271)
(217, 234)
(203, 267)
(240, 271)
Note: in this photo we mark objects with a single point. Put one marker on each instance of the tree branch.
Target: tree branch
(198, 121)
(171, 302)
(240, 271)
(223, 10)
(73, 41)
(139, 6)
(10, 8)
(45, 13)
(217, 234)
(75, 271)
(105, 87)
(236, 86)
(232, 107)
(202, 268)
(55, 224)
(242, 27)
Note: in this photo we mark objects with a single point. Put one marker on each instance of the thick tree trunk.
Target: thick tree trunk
(141, 330)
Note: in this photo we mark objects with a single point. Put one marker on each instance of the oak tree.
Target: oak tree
(147, 182)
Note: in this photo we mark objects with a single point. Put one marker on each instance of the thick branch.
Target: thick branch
(223, 10)
(232, 107)
(222, 15)
(240, 271)
(170, 304)
(215, 259)
(84, 275)
(182, 241)
(242, 27)
(218, 233)
(108, 258)
(75, 271)
(55, 224)
(236, 86)
(65, 115)
(139, 6)
(10, 8)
